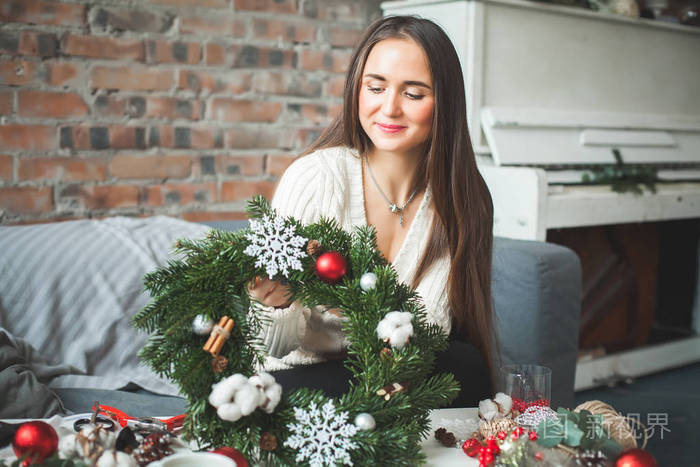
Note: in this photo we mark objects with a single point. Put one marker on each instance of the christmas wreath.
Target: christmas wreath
(205, 338)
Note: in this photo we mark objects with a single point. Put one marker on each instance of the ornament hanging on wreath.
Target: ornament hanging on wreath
(241, 406)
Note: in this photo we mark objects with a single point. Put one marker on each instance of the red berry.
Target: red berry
(488, 459)
(471, 447)
(539, 456)
(494, 449)
(518, 431)
(532, 435)
(501, 435)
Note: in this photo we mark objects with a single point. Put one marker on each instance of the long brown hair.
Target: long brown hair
(463, 226)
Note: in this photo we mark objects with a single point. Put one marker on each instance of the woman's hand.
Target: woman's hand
(269, 292)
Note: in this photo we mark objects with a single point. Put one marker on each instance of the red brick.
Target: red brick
(173, 52)
(68, 170)
(207, 216)
(215, 54)
(275, 138)
(115, 106)
(250, 56)
(50, 104)
(306, 136)
(5, 103)
(42, 12)
(336, 61)
(220, 25)
(315, 113)
(188, 137)
(28, 137)
(344, 37)
(268, 6)
(193, 3)
(334, 87)
(287, 84)
(172, 108)
(278, 163)
(242, 190)
(283, 30)
(131, 78)
(105, 137)
(103, 47)
(26, 199)
(181, 193)
(150, 166)
(16, 72)
(234, 82)
(246, 166)
(6, 168)
(63, 73)
(231, 110)
(334, 110)
(40, 44)
(100, 197)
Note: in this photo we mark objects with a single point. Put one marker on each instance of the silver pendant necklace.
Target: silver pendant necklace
(393, 207)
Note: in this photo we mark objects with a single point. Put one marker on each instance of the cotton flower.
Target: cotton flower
(238, 396)
(396, 328)
(488, 410)
(504, 402)
(114, 458)
(272, 391)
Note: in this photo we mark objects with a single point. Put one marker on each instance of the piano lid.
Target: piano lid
(535, 137)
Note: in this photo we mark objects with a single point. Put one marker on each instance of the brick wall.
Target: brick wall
(178, 107)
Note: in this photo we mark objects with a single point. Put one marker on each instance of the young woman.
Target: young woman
(398, 157)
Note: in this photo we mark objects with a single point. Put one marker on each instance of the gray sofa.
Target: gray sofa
(68, 290)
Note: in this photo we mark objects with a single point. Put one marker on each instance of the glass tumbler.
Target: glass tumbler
(528, 385)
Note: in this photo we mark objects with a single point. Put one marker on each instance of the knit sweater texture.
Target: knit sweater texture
(329, 183)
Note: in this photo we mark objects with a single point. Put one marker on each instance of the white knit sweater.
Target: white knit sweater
(328, 183)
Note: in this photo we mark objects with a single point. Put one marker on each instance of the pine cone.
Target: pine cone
(268, 442)
(219, 363)
(492, 428)
(386, 353)
(313, 248)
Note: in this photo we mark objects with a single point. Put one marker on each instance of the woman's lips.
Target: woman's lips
(390, 128)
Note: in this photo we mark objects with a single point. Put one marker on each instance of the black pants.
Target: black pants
(461, 359)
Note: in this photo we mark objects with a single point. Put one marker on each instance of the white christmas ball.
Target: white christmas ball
(202, 325)
(365, 422)
(368, 281)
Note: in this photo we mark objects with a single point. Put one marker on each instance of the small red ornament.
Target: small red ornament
(331, 267)
(636, 458)
(501, 435)
(233, 454)
(532, 435)
(517, 433)
(471, 447)
(37, 440)
(539, 456)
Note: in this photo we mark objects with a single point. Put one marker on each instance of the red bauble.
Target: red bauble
(471, 447)
(233, 454)
(331, 267)
(37, 440)
(636, 458)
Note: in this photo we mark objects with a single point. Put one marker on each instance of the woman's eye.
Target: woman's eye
(374, 89)
(416, 97)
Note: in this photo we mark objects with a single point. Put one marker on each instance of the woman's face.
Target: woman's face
(396, 97)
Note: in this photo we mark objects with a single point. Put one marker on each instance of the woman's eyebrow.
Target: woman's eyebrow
(409, 83)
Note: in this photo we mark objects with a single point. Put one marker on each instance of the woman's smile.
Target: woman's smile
(388, 128)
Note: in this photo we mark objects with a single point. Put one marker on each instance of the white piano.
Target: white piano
(554, 92)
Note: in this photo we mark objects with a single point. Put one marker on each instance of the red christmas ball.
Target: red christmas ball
(471, 447)
(636, 458)
(331, 267)
(233, 454)
(37, 440)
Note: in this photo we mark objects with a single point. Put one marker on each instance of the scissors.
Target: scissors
(148, 424)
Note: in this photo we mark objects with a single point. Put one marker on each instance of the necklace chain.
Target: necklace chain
(392, 206)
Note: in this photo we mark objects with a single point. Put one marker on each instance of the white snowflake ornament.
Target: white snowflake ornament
(275, 246)
(396, 328)
(323, 437)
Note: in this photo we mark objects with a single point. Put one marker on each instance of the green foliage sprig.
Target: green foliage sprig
(209, 278)
(581, 429)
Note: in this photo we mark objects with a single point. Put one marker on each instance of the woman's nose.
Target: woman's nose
(391, 105)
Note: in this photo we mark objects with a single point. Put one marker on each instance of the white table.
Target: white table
(437, 454)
